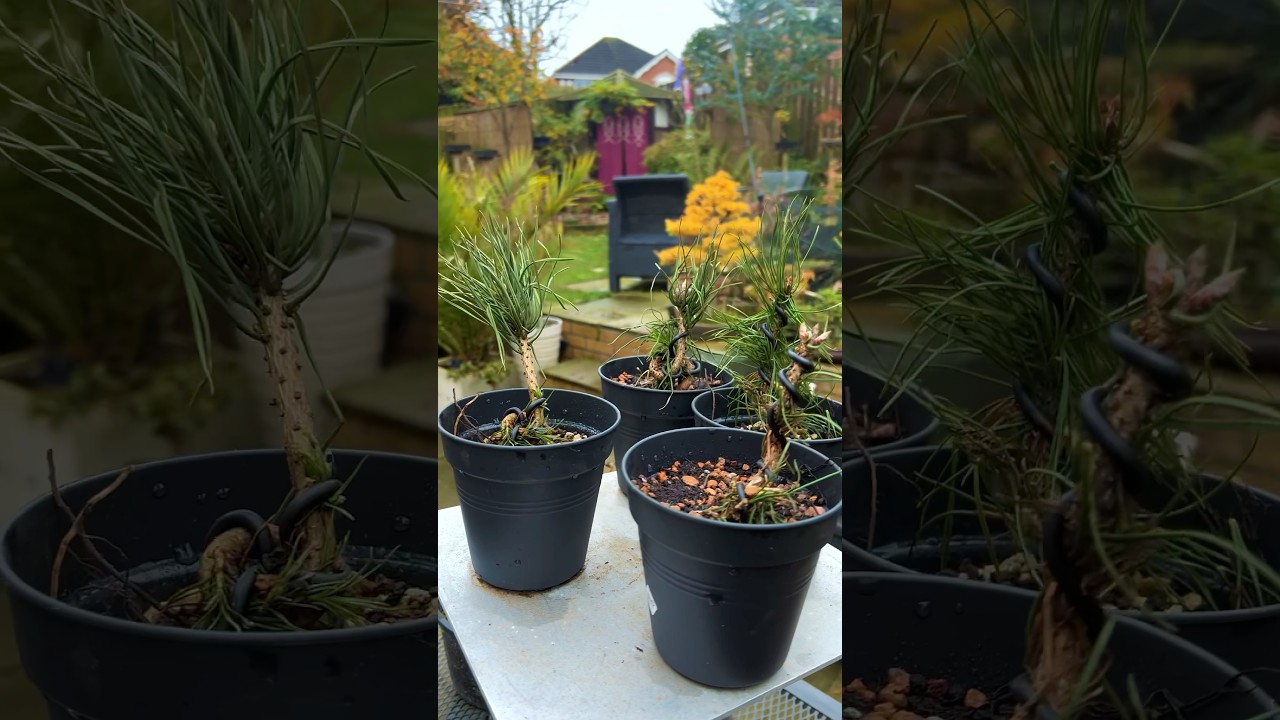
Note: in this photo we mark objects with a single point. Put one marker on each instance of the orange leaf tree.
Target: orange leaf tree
(477, 69)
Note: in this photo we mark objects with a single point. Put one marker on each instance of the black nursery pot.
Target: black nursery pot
(1246, 638)
(95, 666)
(724, 598)
(645, 411)
(918, 423)
(974, 634)
(527, 511)
(724, 407)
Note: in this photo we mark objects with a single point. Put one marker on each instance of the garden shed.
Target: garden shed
(621, 137)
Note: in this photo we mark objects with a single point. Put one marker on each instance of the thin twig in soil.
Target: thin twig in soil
(462, 411)
(77, 531)
(875, 490)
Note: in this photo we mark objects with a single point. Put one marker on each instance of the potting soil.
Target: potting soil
(907, 696)
(710, 489)
(553, 433)
(693, 382)
(861, 428)
(406, 590)
(746, 422)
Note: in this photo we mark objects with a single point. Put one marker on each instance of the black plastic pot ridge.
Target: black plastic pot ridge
(918, 423)
(716, 408)
(647, 412)
(101, 667)
(724, 598)
(975, 634)
(528, 510)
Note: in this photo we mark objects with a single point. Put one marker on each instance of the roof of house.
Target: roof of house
(607, 55)
(654, 61)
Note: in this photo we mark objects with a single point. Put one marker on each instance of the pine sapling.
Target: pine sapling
(758, 340)
(502, 277)
(1109, 525)
(691, 288)
(224, 160)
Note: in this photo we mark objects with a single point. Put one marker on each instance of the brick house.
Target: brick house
(610, 54)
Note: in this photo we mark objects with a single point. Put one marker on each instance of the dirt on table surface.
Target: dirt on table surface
(732, 491)
(902, 695)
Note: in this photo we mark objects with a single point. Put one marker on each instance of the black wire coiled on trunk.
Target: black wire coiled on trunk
(1169, 376)
(302, 504)
(1173, 382)
(522, 415)
(773, 417)
(1095, 233)
(1057, 554)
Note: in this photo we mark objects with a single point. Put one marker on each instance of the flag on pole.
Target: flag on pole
(686, 88)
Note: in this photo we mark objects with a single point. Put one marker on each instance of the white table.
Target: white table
(585, 649)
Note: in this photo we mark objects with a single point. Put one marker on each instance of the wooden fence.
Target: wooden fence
(505, 129)
(725, 126)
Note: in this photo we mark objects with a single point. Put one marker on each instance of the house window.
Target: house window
(664, 79)
(661, 118)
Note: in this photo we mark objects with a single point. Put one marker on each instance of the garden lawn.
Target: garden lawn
(586, 253)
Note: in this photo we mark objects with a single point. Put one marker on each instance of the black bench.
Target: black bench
(637, 222)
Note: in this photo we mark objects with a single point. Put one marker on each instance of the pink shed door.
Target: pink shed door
(620, 143)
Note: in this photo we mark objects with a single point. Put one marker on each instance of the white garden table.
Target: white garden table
(585, 649)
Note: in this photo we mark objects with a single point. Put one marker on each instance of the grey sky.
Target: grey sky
(651, 25)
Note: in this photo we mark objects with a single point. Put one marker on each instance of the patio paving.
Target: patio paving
(602, 285)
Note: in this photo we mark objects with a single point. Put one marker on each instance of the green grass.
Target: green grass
(587, 253)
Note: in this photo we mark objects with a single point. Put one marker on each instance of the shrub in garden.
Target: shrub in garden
(692, 152)
(716, 221)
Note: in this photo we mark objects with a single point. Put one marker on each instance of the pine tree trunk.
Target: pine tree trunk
(303, 451)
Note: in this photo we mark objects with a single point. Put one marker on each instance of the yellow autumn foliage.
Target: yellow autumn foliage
(716, 213)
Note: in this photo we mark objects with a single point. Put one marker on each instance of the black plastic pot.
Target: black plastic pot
(528, 510)
(647, 412)
(1245, 638)
(455, 149)
(1262, 347)
(724, 598)
(463, 681)
(975, 634)
(95, 666)
(484, 154)
(918, 423)
(724, 407)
